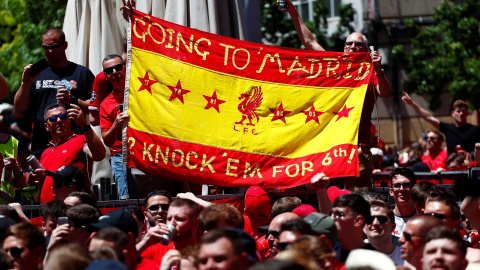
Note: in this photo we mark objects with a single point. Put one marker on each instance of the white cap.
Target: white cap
(376, 151)
(373, 259)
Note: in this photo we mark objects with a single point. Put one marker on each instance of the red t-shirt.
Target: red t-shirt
(108, 113)
(437, 162)
(146, 264)
(101, 88)
(67, 152)
(156, 252)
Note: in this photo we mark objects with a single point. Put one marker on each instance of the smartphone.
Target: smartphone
(121, 107)
(38, 67)
(62, 220)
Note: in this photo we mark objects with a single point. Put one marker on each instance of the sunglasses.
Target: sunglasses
(463, 217)
(437, 215)
(408, 236)
(404, 185)
(54, 118)
(381, 218)
(431, 138)
(109, 70)
(52, 47)
(350, 43)
(339, 214)
(15, 251)
(155, 207)
(275, 234)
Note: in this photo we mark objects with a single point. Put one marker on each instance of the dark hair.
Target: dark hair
(51, 107)
(285, 204)
(438, 133)
(57, 31)
(82, 215)
(422, 190)
(53, 209)
(448, 201)
(30, 234)
(113, 234)
(408, 173)
(133, 209)
(84, 198)
(297, 226)
(160, 192)
(442, 232)
(356, 202)
(112, 56)
(211, 217)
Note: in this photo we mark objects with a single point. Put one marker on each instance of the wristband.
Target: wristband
(380, 75)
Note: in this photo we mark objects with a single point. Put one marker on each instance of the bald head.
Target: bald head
(280, 219)
(425, 223)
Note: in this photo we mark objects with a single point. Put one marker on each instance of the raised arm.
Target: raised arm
(307, 38)
(3, 87)
(421, 111)
(95, 148)
(22, 97)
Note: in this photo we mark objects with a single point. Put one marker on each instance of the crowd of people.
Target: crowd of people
(351, 226)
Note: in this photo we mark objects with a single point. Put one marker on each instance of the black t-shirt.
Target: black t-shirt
(466, 136)
(43, 92)
(342, 254)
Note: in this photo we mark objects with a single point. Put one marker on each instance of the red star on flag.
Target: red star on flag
(213, 101)
(312, 115)
(344, 112)
(177, 92)
(146, 83)
(279, 113)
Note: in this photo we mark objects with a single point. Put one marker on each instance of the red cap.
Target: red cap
(257, 202)
(334, 192)
(304, 210)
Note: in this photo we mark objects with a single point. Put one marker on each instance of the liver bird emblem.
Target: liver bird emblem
(249, 105)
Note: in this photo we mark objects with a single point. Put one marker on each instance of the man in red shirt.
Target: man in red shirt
(112, 118)
(66, 148)
(435, 156)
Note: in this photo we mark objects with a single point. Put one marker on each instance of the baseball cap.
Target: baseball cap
(304, 210)
(334, 192)
(257, 201)
(323, 225)
(5, 223)
(117, 218)
(66, 176)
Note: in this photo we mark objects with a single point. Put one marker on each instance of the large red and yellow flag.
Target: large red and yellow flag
(215, 110)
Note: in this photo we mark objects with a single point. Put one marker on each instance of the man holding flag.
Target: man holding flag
(355, 43)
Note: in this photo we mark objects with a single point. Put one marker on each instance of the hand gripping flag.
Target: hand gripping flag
(209, 109)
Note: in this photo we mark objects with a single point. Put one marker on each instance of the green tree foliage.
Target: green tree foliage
(22, 23)
(278, 29)
(445, 54)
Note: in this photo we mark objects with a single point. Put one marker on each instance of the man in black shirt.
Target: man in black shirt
(458, 133)
(61, 81)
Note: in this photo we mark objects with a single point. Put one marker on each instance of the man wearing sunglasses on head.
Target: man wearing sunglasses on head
(66, 148)
(435, 156)
(379, 230)
(355, 43)
(112, 118)
(413, 239)
(57, 80)
(25, 245)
